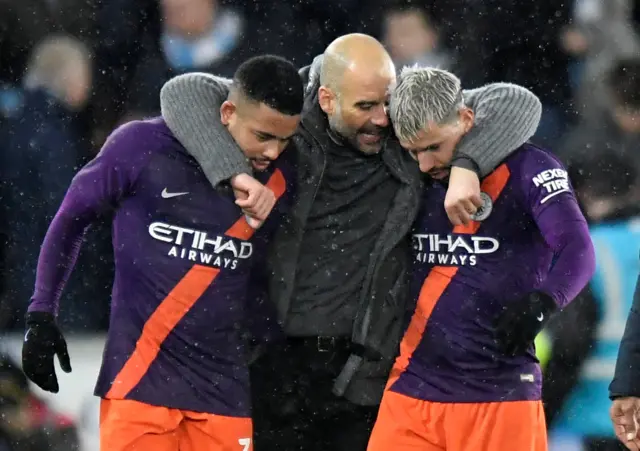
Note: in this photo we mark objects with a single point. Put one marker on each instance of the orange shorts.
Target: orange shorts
(408, 424)
(134, 426)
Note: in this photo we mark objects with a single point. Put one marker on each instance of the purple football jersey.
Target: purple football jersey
(183, 258)
(522, 239)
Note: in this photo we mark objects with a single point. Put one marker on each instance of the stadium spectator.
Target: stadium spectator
(411, 37)
(600, 33)
(196, 35)
(42, 149)
(602, 151)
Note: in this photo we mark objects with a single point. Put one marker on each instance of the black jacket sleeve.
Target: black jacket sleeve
(626, 381)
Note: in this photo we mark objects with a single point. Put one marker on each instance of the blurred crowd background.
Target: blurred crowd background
(72, 70)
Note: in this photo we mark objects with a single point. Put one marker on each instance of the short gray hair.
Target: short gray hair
(424, 95)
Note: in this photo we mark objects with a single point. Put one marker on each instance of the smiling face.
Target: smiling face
(359, 113)
(434, 146)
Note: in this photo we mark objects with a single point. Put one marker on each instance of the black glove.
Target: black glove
(42, 341)
(520, 322)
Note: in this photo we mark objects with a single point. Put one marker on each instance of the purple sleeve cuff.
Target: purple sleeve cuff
(461, 161)
(58, 255)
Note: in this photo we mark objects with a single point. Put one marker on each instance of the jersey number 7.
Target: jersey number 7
(245, 443)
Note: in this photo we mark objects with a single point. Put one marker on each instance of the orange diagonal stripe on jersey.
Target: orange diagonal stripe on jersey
(161, 322)
(173, 308)
(439, 279)
(277, 183)
(432, 289)
(241, 229)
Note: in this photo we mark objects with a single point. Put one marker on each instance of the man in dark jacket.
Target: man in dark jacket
(625, 387)
(337, 271)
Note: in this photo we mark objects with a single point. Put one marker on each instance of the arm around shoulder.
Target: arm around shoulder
(191, 109)
(506, 117)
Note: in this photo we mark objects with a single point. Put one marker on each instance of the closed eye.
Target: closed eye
(432, 148)
(366, 106)
(264, 137)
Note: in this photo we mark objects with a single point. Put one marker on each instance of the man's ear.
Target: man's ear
(327, 99)
(467, 116)
(227, 111)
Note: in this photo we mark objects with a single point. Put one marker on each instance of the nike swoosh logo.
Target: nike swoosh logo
(167, 195)
(541, 317)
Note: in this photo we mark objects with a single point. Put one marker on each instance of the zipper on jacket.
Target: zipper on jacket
(324, 166)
